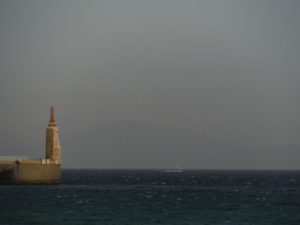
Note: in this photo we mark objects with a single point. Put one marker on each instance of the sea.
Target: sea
(148, 197)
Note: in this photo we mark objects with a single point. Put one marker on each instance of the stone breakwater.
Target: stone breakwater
(15, 170)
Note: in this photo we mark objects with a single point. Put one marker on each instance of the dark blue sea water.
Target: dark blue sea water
(140, 197)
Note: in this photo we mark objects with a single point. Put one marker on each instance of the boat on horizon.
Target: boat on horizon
(176, 170)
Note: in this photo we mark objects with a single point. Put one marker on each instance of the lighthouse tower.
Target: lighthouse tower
(53, 150)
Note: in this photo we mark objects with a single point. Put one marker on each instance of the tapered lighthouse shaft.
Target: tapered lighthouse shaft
(53, 149)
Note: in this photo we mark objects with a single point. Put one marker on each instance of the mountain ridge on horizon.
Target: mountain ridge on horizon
(138, 144)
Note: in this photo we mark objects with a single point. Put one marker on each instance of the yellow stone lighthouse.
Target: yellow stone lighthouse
(53, 151)
(25, 170)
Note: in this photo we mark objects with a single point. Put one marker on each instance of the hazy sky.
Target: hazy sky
(224, 69)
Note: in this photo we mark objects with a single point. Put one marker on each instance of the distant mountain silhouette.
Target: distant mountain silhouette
(133, 144)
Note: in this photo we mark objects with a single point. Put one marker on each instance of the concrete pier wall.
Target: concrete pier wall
(33, 172)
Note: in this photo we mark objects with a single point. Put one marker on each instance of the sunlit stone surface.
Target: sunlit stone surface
(20, 170)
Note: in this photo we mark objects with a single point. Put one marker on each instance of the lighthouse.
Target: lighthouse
(17, 170)
(53, 150)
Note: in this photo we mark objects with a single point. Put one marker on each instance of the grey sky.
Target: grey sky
(227, 70)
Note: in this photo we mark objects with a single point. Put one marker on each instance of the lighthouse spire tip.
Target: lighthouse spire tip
(52, 120)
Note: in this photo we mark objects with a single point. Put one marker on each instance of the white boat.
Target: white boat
(176, 170)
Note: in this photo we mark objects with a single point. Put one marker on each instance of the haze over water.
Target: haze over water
(155, 84)
(222, 73)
